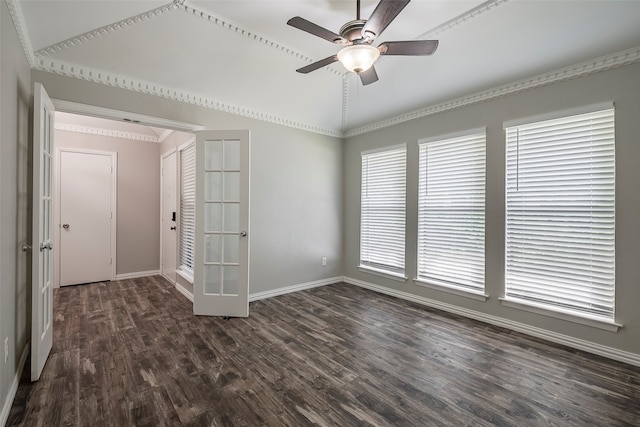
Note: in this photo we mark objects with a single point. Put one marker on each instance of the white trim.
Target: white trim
(582, 69)
(460, 291)
(294, 288)
(402, 146)
(15, 10)
(532, 307)
(558, 114)
(470, 132)
(186, 144)
(588, 346)
(164, 135)
(11, 394)
(137, 274)
(461, 19)
(171, 152)
(63, 68)
(184, 274)
(184, 291)
(236, 29)
(99, 32)
(111, 133)
(56, 208)
(386, 274)
(119, 115)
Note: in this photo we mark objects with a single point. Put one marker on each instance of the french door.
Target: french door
(221, 267)
(42, 265)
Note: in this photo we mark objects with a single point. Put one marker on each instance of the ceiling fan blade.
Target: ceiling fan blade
(316, 30)
(411, 47)
(319, 64)
(369, 76)
(385, 12)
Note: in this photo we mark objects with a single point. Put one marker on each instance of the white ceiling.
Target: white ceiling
(240, 56)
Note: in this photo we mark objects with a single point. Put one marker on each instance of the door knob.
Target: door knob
(26, 248)
(243, 234)
(65, 226)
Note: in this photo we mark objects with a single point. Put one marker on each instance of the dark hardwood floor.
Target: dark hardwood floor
(131, 353)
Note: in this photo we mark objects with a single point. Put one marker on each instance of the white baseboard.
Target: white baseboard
(6, 408)
(137, 274)
(294, 288)
(588, 346)
(184, 291)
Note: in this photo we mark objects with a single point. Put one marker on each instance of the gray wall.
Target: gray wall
(15, 100)
(296, 181)
(620, 85)
(138, 201)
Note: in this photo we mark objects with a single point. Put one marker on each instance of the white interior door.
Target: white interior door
(221, 273)
(168, 219)
(42, 267)
(86, 216)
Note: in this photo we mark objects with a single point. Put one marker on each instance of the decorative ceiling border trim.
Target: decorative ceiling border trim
(15, 10)
(345, 103)
(85, 73)
(222, 22)
(112, 133)
(164, 135)
(582, 69)
(99, 32)
(461, 19)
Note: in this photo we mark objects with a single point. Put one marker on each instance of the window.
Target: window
(187, 208)
(382, 222)
(560, 213)
(451, 211)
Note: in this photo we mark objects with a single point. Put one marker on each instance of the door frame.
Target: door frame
(57, 207)
(162, 157)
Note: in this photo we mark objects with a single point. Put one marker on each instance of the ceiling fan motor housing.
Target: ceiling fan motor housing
(352, 30)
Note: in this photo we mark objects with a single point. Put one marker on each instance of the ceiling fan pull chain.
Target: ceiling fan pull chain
(358, 10)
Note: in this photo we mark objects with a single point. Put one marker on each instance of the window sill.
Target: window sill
(186, 275)
(467, 293)
(381, 273)
(594, 322)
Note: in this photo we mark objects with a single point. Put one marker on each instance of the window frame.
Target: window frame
(558, 309)
(475, 141)
(368, 259)
(186, 225)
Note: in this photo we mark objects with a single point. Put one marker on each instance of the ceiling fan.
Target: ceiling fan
(358, 55)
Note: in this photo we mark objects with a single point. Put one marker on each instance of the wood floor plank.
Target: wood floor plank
(131, 353)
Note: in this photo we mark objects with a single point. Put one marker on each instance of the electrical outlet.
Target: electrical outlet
(324, 260)
(6, 350)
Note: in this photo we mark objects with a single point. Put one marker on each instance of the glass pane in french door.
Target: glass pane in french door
(221, 207)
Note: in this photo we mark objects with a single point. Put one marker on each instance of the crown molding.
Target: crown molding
(164, 135)
(345, 103)
(15, 10)
(90, 130)
(234, 28)
(461, 19)
(582, 69)
(124, 82)
(99, 32)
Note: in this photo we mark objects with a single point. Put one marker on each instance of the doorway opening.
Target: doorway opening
(105, 154)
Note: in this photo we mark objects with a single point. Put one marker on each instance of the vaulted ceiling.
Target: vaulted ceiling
(240, 56)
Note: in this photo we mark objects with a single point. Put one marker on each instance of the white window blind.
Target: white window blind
(451, 211)
(560, 214)
(382, 222)
(187, 207)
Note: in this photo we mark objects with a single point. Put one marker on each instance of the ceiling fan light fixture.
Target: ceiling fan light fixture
(358, 57)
